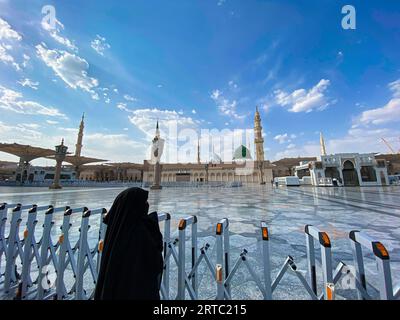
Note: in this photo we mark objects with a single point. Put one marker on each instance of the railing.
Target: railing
(55, 253)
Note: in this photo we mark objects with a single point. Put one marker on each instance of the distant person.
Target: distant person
(131, 264)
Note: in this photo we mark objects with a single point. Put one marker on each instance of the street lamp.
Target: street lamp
(61, 152)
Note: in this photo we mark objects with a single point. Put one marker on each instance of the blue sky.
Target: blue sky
(205, 64)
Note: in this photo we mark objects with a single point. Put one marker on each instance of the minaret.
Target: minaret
(322, 144)
(78, 146)
(157, 131)
(198, 151)
(258, 139)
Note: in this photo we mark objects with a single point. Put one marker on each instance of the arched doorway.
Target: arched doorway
(383, 179)
(350, 176)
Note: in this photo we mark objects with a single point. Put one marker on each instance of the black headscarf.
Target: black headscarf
(131, 264)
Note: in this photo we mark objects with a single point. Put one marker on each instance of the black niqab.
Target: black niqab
(131, 264)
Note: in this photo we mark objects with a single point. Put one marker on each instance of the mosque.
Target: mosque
(212, 170)
(260, 170)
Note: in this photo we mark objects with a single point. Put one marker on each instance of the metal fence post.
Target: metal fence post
(384, 273)
(312, 273)
(80, 270)
(102, 235)
(63, 241)
(382, 261)
(358, 262)
(227, 255)
(220, 261)
(220, 282)
(3, 219)
(266, 261)
(194, 253)
(26, 262)
(181, 260)
(45, 246)
(167, 239)
(11, 248)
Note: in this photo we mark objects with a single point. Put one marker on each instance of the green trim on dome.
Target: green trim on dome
(242, 153)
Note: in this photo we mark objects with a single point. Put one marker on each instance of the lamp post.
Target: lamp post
(206, 167)
(61, 152)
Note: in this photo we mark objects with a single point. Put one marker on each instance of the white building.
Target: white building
(349, 169)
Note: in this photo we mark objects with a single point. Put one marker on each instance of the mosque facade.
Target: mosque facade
(242, 168)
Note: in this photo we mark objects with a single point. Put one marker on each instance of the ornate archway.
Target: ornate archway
(350, 177)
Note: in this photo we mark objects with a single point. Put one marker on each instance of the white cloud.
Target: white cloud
(52, 122)
(145, 120)
(7, 33)
(100, 45)
(282, 138)
(8, 36)
(302, 100)
(123, 106)
(388, 113)
(29, 83)
(55, 34)
(72, 69)
(194, 111)
(127, 97)
(225, 106)
(7, 58)
(232, 84)
(13, 101)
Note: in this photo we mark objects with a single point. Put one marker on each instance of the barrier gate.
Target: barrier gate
(38, 258)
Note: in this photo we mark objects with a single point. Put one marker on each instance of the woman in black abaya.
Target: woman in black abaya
(131, 264)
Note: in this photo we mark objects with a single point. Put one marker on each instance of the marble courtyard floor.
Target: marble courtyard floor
(286, 211)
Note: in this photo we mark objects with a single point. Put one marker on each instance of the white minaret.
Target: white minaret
(78, 146)
(322, 144)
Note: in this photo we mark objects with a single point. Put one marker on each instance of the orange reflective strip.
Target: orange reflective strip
(219, 273)
(382, 249)
(325, 239)
(101, 246)
(61, 238)
(26, 232)
(330, 291)
(219, 228)
(265, 233)
(182, 224)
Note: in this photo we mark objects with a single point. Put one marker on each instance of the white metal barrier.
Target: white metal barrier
(32, 254)
(359, 241)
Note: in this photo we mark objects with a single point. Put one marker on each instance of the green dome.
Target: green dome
(242, 153)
